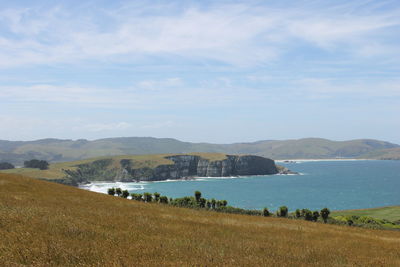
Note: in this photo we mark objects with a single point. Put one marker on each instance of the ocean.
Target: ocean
(336, 184)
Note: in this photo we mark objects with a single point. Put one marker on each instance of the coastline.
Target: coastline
(314, 160)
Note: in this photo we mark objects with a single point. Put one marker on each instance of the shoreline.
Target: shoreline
(312, 160)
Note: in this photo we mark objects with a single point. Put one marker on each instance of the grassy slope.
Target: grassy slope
(44, 223)
(389, 213)
(139, 161)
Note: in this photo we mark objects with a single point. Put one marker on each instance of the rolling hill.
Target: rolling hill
(56, 150)
(48, 224)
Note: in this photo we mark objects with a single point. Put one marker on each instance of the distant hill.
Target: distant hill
(48, 224)
(56, 150)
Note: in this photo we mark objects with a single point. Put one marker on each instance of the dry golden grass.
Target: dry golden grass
(139, 161)
(48, 224)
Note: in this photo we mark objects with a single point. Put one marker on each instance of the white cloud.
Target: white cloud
(236, 34)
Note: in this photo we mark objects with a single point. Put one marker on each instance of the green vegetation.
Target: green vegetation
(36, 164)
(6, 166)
(197, 202)
(48, 224)
(391, 213)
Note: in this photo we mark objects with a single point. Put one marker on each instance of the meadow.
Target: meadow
(44, 223)
(391, 213)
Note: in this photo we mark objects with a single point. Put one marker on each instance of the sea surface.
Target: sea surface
(338, 185)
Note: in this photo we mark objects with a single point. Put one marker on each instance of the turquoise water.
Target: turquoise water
(333, 184)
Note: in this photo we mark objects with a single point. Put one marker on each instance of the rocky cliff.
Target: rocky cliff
(191, 166)
(184, 166)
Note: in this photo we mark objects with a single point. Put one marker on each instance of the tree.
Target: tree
(265, 212)
(197, 195)
(147, 197)
(283, 211)
(125, 194)
(118, 191)
(6, 166)
(224, 203)
(325, 214)
(315, 216)
(297, 213)
(208, 204)
(111, 191)
(156, 196)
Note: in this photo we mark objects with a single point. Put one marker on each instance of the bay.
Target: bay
(337, 184)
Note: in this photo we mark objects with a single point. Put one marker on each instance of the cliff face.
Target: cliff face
(183, 166)
(190, 165)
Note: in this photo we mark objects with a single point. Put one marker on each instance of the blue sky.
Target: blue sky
(203, 71)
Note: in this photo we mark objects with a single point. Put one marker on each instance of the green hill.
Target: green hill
(55, 150)
(48, 224)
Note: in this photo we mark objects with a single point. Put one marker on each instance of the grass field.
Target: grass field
(139, 161)
(389, 213)
(48, 224)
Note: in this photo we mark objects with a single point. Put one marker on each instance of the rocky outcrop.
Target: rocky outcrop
(195, 166)
(184, 166)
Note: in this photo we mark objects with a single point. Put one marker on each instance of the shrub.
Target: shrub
(137, 197)
(147, 197)
(325, 214)
(111, 191)
(297, 213)
(118, 191)
(156, 196)
(315, 216)
(6, 166)
(307, 214)
(38, 164)
(164, 199)
(283, 211)
(125, 194)
(265, 212)
(197, 195)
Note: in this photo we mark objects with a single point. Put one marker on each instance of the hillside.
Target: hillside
(153, 167)
(44, 223)
(56, 150)
(391, 213)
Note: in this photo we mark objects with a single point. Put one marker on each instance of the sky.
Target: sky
(200, 71)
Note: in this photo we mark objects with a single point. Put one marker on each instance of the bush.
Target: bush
(137, 197)
(265, 212)
(156, 196)
(197, 195)
(125, 194)
(111, 191)
(297, 213)
(38, 164)
(325, 214)
(307, 214)
(147, 197)
(6, 166)
(118, 191)
(315, 216)
(283, 211)
(164, 199)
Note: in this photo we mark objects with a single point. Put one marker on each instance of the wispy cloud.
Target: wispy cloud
(236, 34)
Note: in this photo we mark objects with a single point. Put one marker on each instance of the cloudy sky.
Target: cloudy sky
(213, 71)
